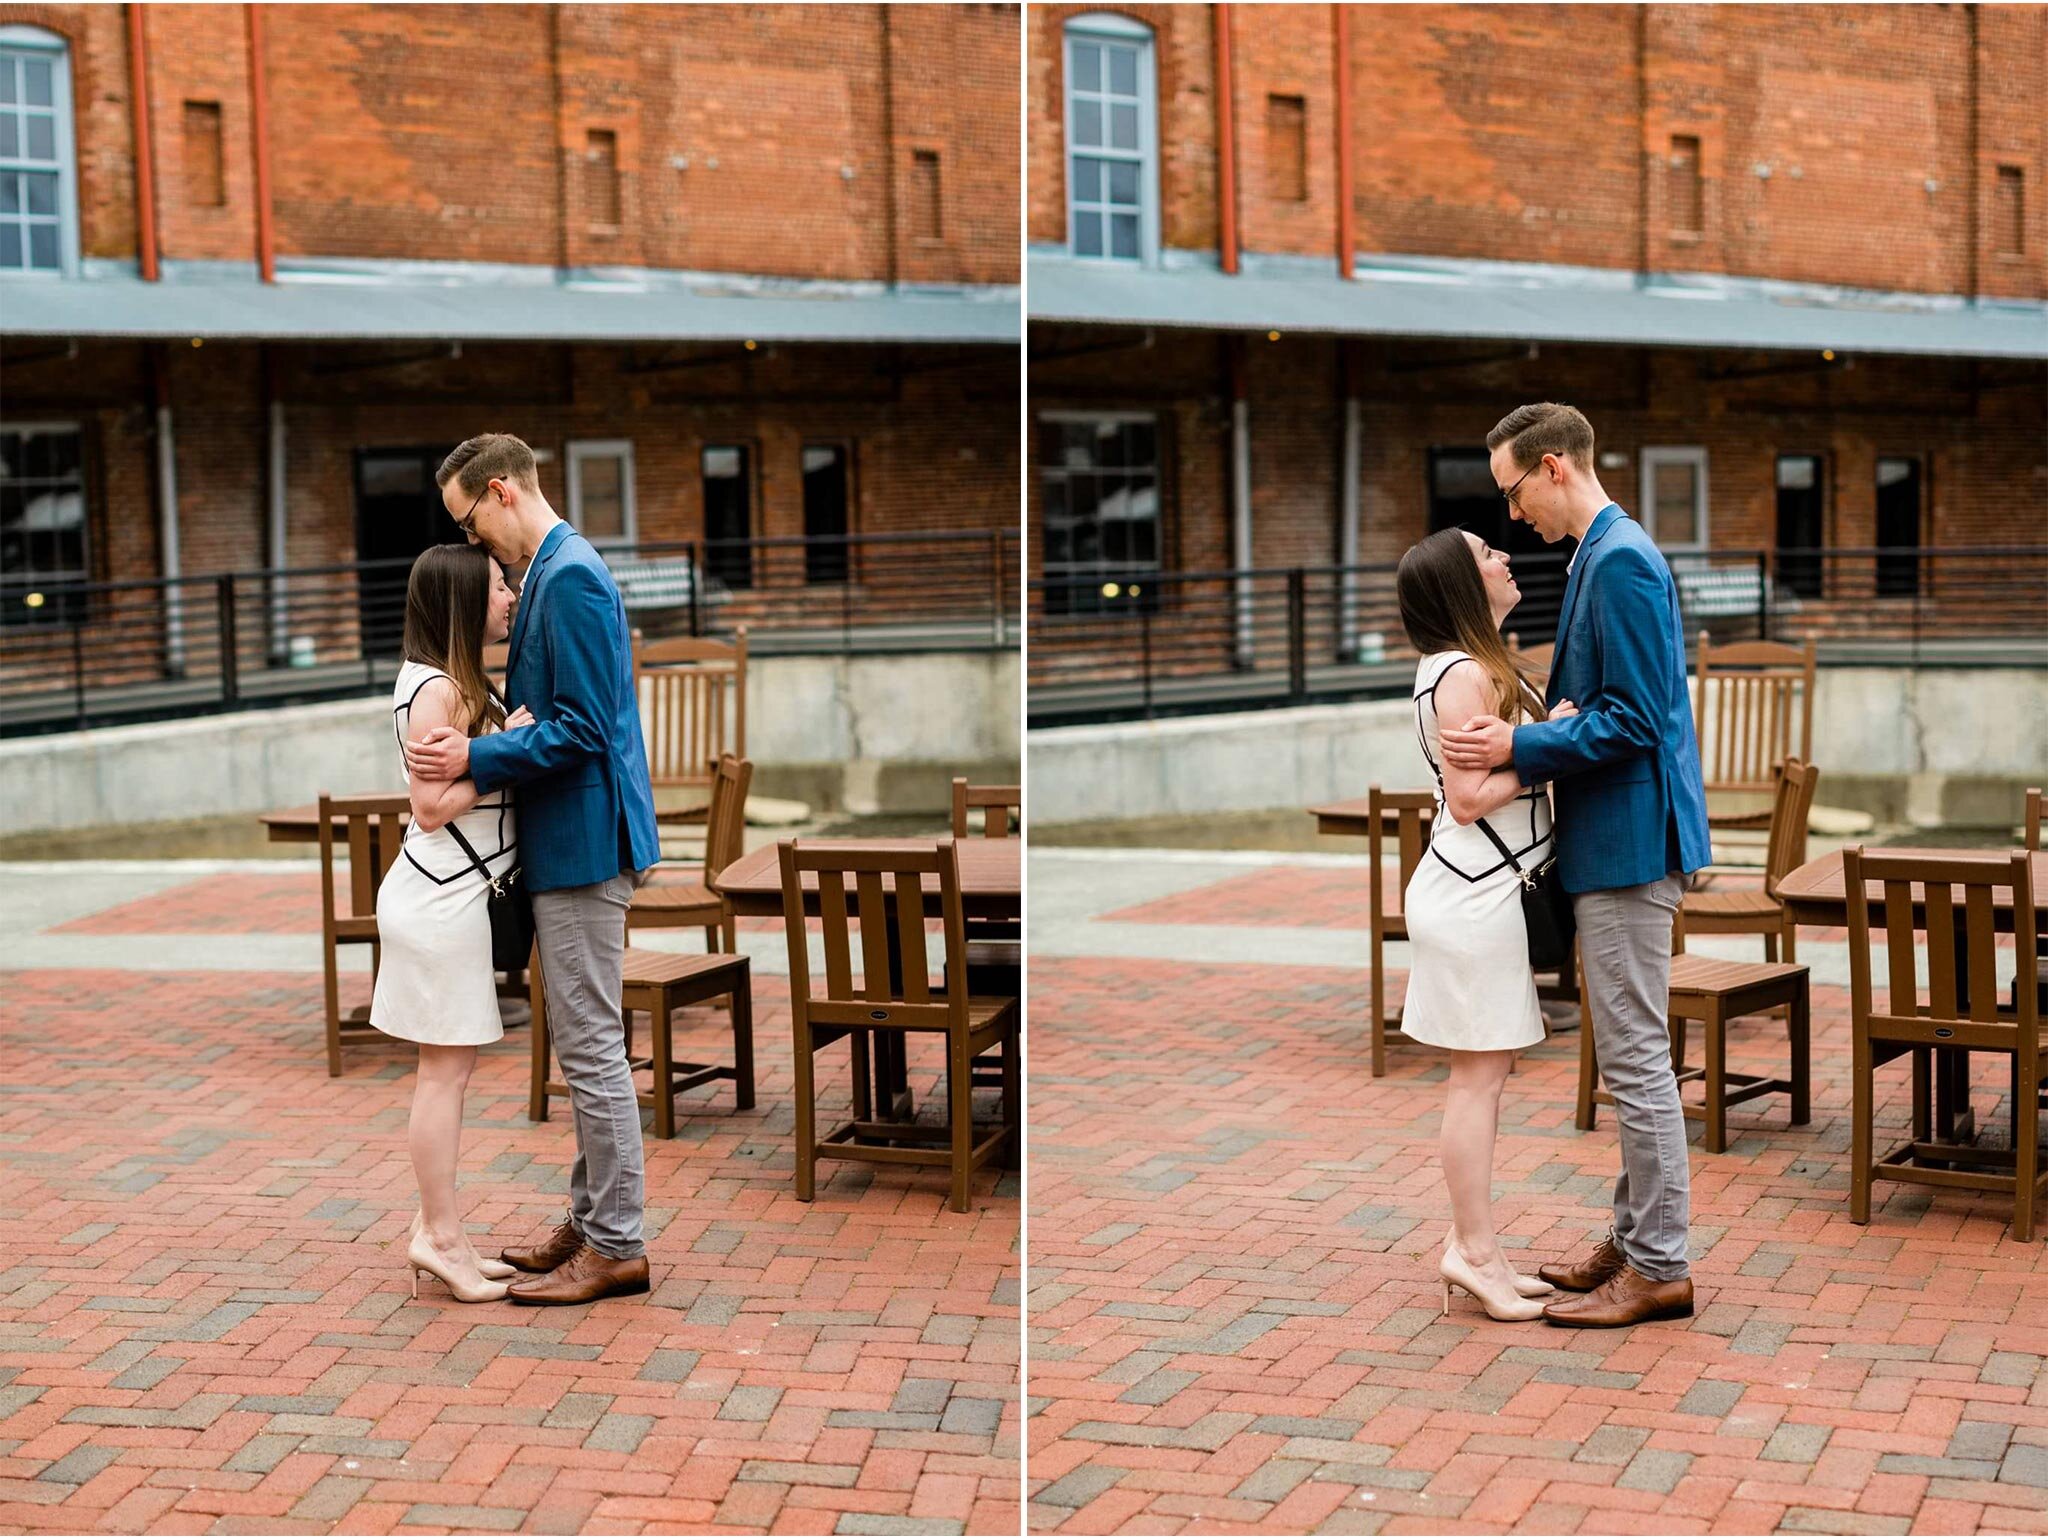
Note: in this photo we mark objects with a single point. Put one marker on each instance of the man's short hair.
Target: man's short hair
(476, 462)
(1542, 428)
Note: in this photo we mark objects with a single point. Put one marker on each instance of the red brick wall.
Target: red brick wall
(933, 438)
(1978, 427)
(459, 133)
(1541, 133)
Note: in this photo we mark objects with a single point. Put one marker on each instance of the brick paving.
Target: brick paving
(206, 1325)
(1235, 1323)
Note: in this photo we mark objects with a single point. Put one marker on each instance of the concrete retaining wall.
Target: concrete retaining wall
(1932, 746)
(863, 734)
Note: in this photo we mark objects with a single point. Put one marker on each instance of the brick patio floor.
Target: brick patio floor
(205, 1324)
(1235, 1322)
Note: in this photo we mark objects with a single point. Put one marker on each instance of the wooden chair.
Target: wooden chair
(1752, 707)
(1714, 993)
(672, 905)
(693, 699)
(376, 831)
(894, 994)
(1747, 911)
(1387, 921)
(661, 983)
(1961, 1009)
(1002, 809)
(2031, 828)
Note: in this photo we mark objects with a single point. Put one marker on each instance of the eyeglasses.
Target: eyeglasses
(467, 523)
(1509, 495)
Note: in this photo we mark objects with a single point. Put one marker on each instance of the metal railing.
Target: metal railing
(1145, 644)
(88, 654)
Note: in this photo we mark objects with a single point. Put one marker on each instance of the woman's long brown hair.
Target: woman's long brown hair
(1444, 609)
(447, 601)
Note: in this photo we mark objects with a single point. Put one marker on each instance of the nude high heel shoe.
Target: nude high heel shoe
(424, 1259)
(1527, 1287)
(1503, 1304)
(485, 1265)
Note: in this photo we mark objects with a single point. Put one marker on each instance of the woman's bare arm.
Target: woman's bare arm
(435, 803)
(1465, 692)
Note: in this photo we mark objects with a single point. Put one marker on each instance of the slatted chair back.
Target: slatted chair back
(1791, 806)
(368, 860)
(865, 885)
(1752, 707)
(1411, 840)
(1002, 809)
(1962, 950)
(2031, 830)
(725, 825)
(693, 704)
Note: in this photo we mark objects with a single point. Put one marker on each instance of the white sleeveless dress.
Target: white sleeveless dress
(435, 984)
(1470, 986)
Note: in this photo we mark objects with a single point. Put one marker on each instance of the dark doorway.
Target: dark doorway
(728, 513)
(1463, 495)
(1898, 527)
(1802, 529)
(825, 512)
(398, 515)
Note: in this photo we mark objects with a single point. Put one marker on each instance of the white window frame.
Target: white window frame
(1694, 455)
(1106, 27)
(579, 450)
(17, 37)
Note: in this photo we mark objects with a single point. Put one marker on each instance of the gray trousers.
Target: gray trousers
(582, 936)
(1625, 944)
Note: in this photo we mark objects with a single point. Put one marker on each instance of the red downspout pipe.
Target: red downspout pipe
(1226, 140)
(1346, 242)
(259, 133)
(145, 169)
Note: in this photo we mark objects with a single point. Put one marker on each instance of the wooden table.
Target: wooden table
(991, 878)
(301, 825)
(1815, 894)
(1355, 818)
(991, 888)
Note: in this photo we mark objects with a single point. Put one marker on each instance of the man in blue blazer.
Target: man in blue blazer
(587, 839)
(1631, 829)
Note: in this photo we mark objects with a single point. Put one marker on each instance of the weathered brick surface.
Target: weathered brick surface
(463, 134)
(1235, 1320)
(1543, 133)
(205, 1319)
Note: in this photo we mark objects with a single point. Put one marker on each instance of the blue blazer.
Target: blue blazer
(1630, 806)
(586, 806)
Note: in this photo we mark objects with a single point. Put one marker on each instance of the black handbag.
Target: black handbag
(1546, 908)
(511, 912)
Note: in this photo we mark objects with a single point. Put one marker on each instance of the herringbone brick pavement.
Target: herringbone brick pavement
(206, 1323)
(1235, 1322)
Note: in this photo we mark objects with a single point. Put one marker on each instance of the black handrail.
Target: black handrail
(87, 653)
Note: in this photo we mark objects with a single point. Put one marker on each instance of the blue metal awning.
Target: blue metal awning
(344, 308)
(1422, 298)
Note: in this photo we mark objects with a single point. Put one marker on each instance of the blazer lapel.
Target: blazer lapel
(1602, 523)
(529, 594)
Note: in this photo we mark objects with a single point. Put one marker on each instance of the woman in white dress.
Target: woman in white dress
(435, 986)
(1470, 987)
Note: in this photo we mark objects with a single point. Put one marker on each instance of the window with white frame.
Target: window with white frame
(42, 520)
(601, 491)
(1112, 140)
(38, 168)
(1673, 507)
(1099, 485)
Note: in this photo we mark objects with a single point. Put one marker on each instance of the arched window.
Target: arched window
(1112, 140)
(38, 164)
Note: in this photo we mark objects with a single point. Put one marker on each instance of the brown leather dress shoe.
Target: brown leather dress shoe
(1602, 1265)
(1623, 1300)
(587, 1275)
(550, 1253)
